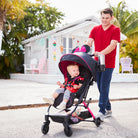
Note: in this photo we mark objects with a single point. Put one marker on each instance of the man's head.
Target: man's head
(73, 70)
(106, 16)
(107, 11)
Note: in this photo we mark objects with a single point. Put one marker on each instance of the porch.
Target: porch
(52, 79)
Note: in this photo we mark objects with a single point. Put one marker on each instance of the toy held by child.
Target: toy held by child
(71, 85)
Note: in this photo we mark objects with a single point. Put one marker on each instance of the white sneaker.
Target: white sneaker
(108, 113)
(61, 106)
(49, 100)
(100, 116)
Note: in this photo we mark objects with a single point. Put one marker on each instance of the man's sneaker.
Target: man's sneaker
(108, 113)
(61, 107)
(100, 116)
(49, 100)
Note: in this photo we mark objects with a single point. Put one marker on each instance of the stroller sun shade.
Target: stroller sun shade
(82, 59)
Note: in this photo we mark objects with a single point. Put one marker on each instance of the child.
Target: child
(71, 85)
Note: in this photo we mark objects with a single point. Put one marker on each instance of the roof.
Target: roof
(66, 28)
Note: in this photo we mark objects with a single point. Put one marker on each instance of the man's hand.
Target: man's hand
(97, 53)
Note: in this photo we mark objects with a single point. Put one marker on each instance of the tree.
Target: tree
(126, 20)
(128, 23)
(10, 9)
(39, 18)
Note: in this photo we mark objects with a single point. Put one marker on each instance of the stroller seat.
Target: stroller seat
(88, 79)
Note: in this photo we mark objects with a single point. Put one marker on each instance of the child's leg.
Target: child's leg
(66, 96)
(54, 96)
(62, 106)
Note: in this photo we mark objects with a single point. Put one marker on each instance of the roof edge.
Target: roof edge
(90, 18)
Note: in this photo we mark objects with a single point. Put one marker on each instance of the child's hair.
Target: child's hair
(107, 11)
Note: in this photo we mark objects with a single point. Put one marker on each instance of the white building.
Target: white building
(48, 46)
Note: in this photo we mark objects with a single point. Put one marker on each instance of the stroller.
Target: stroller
(88, 68)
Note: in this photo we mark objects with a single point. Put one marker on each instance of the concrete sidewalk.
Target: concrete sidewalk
(19, 92)
(26, 123)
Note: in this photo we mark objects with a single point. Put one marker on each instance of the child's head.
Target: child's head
(73, 70)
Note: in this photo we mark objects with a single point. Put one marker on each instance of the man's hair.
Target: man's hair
(107, 11)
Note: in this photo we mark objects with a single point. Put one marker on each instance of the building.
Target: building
(53, 44)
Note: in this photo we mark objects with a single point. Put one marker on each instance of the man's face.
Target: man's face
(106, 19)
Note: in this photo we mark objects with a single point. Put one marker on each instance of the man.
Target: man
(105, 38)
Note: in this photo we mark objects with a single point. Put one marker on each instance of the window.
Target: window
(65, 46)
(28, 51)
(70, 45)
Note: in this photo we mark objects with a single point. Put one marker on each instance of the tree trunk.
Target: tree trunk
(1, 28)
(0, 41)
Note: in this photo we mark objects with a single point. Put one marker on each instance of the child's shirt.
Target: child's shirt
(70, 82)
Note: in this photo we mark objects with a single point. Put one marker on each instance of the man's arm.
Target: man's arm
(89, 42)
(108, 49)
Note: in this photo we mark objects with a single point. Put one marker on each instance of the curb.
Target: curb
(46, 104)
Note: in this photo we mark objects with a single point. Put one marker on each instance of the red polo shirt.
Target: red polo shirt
(102, 39)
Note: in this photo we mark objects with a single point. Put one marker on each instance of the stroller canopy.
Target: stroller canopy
(81, 58)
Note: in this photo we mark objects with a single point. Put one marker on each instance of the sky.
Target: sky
(78, 9)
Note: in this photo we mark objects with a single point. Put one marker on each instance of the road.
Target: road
(27, 122)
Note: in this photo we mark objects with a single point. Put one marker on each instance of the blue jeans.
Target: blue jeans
(103, 83)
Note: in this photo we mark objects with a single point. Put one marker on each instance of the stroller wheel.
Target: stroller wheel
(68, 131)
(45, 127)
(97, 122)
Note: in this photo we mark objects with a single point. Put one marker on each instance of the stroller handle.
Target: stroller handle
(101, 62)
(91, 55)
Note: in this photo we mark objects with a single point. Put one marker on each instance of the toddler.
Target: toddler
(71, 85)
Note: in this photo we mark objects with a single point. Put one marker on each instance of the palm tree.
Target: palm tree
(12, 9)
(127, 21)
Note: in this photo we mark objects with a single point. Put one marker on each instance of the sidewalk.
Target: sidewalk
(27, 122)
(19, 92)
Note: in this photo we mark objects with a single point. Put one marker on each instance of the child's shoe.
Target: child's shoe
(62, 106)
(49, 100)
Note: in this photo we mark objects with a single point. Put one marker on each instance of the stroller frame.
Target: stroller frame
(81, 95)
